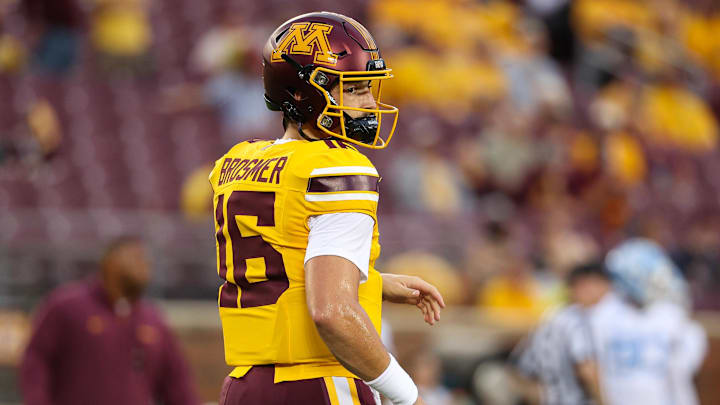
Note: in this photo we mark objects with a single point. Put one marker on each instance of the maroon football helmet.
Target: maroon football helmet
(310, 54)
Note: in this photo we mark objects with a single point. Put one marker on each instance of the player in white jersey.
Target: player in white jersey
(648, 349)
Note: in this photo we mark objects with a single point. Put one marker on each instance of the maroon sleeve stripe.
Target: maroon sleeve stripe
(333, 184)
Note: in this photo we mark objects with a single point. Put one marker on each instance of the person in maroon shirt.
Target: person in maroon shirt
(97, 342)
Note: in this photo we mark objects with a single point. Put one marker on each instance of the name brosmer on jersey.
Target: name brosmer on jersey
(254, 170)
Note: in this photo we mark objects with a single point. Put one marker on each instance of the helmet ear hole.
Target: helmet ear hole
(292, 112)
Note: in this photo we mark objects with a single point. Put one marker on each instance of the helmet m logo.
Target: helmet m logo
(304, 38)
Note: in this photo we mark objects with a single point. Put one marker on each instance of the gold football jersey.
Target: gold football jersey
(264, 194)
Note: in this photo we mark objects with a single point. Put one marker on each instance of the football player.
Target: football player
(650, 352)
(297, 235)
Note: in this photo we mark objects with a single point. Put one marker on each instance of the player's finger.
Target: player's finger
(430, 318)
(425, 311)
(415, 299)
(434, 307)
(422, 308)
(427, 289)
(437, 297)
(411, 294)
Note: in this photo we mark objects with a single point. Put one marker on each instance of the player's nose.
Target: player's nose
(368, 101)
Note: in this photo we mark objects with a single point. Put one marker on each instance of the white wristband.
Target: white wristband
(395, 384)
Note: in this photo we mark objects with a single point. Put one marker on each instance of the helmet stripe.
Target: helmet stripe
(366, 35)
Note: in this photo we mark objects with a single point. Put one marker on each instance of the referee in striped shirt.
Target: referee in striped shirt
(556, 364)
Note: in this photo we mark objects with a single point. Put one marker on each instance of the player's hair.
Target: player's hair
(118, 243)
(590, 269)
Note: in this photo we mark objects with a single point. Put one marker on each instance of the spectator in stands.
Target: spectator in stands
(57, 26)
(428, 181)
(35, 142)
(535, 82)
(624, 158)
(676, 117)
(515, 295)
(12, 54)
(45, 130)
(555, 15)
(219, 46)
(594, 19)
(122, 35)
(196, 195)
(485, 255)
(8, 152)
(564, 246)
(698, 30)
(613, 107)
(232, 87)
(506, 152)
(237, 93)
(699, 258)
(12, 50)
(98, 342)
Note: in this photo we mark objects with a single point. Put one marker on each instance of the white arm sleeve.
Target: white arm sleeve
(688, 355)
(344, 234)
(692, 348)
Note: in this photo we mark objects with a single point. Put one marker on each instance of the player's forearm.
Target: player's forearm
(351, 337)
(590, 377)
(332, 299)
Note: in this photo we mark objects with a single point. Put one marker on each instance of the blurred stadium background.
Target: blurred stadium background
(534, 135)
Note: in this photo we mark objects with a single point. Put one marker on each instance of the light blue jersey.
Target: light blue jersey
(646, 356)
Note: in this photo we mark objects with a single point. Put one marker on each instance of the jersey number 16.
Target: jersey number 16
(253, 293)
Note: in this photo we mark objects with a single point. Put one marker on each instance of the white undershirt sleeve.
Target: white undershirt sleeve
(344, 234)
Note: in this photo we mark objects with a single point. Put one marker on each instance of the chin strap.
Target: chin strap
(302, 133)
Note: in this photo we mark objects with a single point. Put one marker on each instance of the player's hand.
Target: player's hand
(413, 290)
(419, 401)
